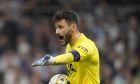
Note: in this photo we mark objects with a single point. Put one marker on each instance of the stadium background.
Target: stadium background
(26, 33)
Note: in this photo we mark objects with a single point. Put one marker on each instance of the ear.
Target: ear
(74, 27)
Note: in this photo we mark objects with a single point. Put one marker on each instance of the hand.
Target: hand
(46, 60)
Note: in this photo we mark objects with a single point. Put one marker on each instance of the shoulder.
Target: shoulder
(86, 45)
(87, 42)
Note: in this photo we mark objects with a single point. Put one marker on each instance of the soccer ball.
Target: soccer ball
(59, 79)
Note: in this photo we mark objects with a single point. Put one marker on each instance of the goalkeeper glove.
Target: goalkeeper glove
(46, 60)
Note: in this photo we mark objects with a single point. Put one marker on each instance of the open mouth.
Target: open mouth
(61, 37)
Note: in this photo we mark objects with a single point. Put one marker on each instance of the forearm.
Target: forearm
(63, 59)
(60, 59)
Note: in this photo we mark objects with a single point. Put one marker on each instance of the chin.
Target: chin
(63, 44)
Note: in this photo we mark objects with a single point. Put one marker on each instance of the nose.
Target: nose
(57, 31)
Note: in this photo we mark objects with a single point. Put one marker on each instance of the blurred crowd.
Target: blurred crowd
(26, 34)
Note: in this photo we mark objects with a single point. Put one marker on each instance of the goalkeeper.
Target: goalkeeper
(81, 57)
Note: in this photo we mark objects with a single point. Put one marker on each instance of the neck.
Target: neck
(75, 37)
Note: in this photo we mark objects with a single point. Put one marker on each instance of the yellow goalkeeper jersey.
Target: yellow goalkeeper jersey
(86, 70)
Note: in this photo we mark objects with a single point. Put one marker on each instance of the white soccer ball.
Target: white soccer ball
(59, 79)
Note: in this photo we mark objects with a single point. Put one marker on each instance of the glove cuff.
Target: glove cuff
(51, 61)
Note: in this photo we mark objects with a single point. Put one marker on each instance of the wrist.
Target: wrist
(51, 61)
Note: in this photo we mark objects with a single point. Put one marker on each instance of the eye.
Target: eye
(60, 26)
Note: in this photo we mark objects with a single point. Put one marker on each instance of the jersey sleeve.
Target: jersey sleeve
(63, 58)
(80, 52)
(84, 49)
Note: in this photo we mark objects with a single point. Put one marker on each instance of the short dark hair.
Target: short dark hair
(69, 16)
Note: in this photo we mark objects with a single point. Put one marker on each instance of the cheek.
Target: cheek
(62, 31)
(65, 31)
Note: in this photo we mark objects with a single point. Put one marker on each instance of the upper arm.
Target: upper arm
(84, 50)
